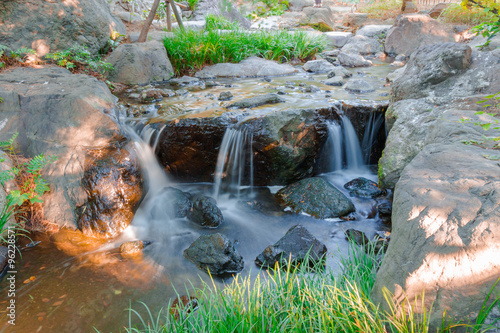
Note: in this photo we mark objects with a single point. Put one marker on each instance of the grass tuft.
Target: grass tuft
(382, 9)
(456, 14)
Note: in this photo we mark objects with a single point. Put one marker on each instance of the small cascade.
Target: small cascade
(343, 147)
(372, 130)
(234, 162)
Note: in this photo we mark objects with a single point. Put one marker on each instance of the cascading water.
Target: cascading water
(234, 162)
(343, 147)
(372, 130)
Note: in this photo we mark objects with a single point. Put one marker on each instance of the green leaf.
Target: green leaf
(486, 126)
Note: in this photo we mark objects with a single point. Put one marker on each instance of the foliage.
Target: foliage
(79, 58)
(214, 23)
(491, 8)
(11, 57)
(270, 8)
(192, 4)
(114, 40)
(191, 50)
(382, 9)
(456, 14)
(28, 175)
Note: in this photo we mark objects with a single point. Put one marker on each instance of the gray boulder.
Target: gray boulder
(251, 67)
(358, 86)
(255, 101)
(299, 5)
(429, 66)
(185, 81)
(317, 197)
(413, 31)
(177, 204)
(59, 25)
(319, 18)
(297, 244)
(216, 254)
(340, 72)
(353, 60)
(318, 66)
(205, 212)
(363, 45)
(140, 63)
(374, 31)
(338, 38)
(219, 8)
(69, 116)
(335, 81)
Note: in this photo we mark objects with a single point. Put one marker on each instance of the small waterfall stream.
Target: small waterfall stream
(342, 147)
(374, 125)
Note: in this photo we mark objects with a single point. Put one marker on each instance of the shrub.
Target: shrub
(382, 9)
(78, 58)
(456, 14)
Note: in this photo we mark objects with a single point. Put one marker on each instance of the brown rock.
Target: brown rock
(183, 304)
(131, 249)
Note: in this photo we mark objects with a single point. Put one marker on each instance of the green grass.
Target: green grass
(294, 300)
(382, 9)
(456, 14)
(191, 50)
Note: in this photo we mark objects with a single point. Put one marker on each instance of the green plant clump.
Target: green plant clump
(191, 50)
(296, 300)
(382, 9)
(270, 8)
(10, 57)
(79, 58)
(456, 14)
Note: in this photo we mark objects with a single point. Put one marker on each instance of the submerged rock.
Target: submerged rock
(131, 249)
(177, 203)
(215, 253)
(317, 197)
(255, 101)
(205, 212)
(364, 188)
(297, 245)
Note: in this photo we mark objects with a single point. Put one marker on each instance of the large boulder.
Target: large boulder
(318, 66)
(299, 5)
(251, 102)
(250, 67)
(363, 45)
(140, 63)
(429, 66)
(353, 60)
(374, 31)
(297, 245)
(49, 26)
(338, 38)
(316, 197)
(216, 254)
(319, 18)
(69, 116)
(219, 8)
(413, 31)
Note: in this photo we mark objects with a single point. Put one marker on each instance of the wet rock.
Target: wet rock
(356, 236)
(185, 81)
(318, 66)
(255, 101)
(397, 64)
(215, 253)
(317, 197)
(385, 212)
(401, 58)
(131, 249)
(413, 31)
(362, 45)
(181, 92)
(205, 212)
(358, 86)
(353, 60)
(4, 259)
(225, 96)
(210, 84)
(139, 63)
(340, 72)
(297, 244)
(338, 38)
(113, 183)
(349, 217)
(364, 188)
(85, 23)
(391, 77)
(250, 67)
(312, 89)
(151, 95)
(184, 304)
(177, 203)
(335, 81)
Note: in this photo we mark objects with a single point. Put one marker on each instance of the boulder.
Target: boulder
(297, 244)
(374, 31)
(413, 31)
(358, 86)
(318, 66)
(69, 116)
(251, 102)
(335, 81)
(215, 253)
(319, 18)
(315, 196)
(429, 66)
(408, 7)
(219, 8)
(299, 5)
(225, 96)
(205, 212)
(362, 45)
(177, 204)
(49, 26)
(338, 38)
(353, 60)
(113, 183)
(355, 20)
(364, 188)
(139, 63)
(356, 236)
(250, 67)
(393, 76)
(340, 72)
(435, 11)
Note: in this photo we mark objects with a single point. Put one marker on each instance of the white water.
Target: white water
(234, 162)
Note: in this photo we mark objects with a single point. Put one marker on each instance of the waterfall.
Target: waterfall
(372, 129)
(343, 147)
(234, 162)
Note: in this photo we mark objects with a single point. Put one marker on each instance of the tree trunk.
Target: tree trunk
(149, 20)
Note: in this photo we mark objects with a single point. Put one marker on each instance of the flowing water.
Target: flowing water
(69, 283)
